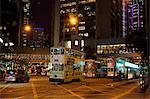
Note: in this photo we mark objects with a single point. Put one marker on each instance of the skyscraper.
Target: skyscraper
(41, 17)
(9, 24)
(132, 15)
(85, 11)
(24, 20)
(37, 38)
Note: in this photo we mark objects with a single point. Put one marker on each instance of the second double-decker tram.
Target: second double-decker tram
(67, 64)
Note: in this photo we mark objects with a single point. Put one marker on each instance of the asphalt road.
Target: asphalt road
(39, 87)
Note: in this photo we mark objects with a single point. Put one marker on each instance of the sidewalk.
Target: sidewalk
(123, 82)
(147, 93)
(134, 93)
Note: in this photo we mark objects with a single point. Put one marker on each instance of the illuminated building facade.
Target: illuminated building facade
(124, 17)
(23, 36)
(132, 15)
(85, 11)
(37, 38)
(9, 21)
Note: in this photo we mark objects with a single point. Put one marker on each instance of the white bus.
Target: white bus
(67, 64)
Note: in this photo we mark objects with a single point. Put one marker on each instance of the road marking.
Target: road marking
(34, 90)
(4, 87)
(125, 93)
(92, 88)
(71, 92)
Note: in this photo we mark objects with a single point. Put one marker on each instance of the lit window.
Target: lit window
(73, 10)
(62, 0)
(62, 11)
(24, 34)
(0, 27)
(86, 34)
(82, 43)
(81, 22)
(81, 27)
(68, 44)
(24, 44)
(87, 8)
(76, 42)
(24, 40)
(67, 10)
(80, 15)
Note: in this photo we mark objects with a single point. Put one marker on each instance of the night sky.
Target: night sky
(40, 11)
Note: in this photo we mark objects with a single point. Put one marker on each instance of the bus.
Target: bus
(66, 64)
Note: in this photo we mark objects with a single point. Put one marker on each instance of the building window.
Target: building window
(67, 10)
(24, 44)
(81, 22)
(24, 34)
(87, 8)
(62, 0)
(62, 11)
(86, 34)
(82, 43)
(80, 15)
(73, 10)
(81, 27)
(76, 42)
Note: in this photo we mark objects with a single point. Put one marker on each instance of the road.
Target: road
(39, 87)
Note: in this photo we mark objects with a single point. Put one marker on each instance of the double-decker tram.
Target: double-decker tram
(66, 64)
(90, 68)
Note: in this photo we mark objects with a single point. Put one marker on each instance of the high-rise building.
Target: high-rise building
(132, 15)
(40, 16)
(85, 12)
(24, 16)
(9, 24)
(37, 38)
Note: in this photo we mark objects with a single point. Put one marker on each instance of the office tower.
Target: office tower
(132, 16)
(87, 22)
(9, 21)
(25, 21)
(37, 39)
(85, 12)
(24, 16)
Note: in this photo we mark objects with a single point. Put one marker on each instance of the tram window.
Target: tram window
(112, 70)
(82, 56)
(62, 51)
(67, 52)
(108, 69)
(55, 67)
(51, 51)
(72, 53)
(60, 67)
(56, 51)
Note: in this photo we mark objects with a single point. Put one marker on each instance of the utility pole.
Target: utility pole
(147, 27)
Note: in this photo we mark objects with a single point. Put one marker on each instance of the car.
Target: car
(10, 75)
(22, 76)
(17, 76)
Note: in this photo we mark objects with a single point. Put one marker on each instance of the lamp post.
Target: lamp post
(73, 22)
(27, 28)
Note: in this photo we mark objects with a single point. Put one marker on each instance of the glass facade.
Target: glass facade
(132, 14)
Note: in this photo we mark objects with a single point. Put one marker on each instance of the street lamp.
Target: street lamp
(27, 28)
(73, 22)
